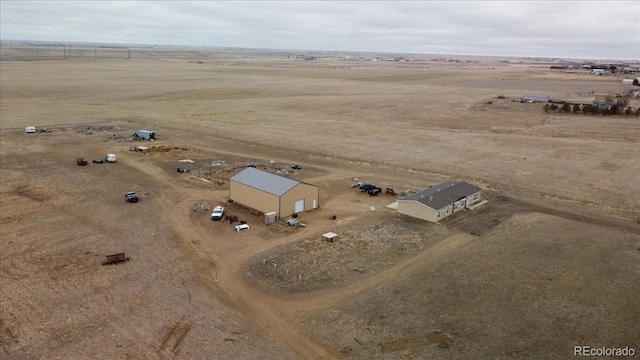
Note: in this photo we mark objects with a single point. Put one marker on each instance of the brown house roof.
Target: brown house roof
(442, 195)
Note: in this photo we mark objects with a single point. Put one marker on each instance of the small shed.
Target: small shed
(146, 134)
(330, 236)
(270, 217)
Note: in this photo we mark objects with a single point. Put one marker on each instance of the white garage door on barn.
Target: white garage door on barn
(299, 206)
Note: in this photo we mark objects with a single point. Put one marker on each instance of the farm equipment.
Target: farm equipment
(231, 218)
(390, 191)
(115, 258)
(81, 161)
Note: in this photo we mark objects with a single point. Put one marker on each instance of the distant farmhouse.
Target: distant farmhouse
(440, 201)
(535, 98)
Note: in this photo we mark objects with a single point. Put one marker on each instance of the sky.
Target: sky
(543, 28)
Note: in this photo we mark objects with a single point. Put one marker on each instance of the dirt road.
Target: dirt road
(222, 264)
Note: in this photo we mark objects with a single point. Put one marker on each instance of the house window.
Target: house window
(438, 213)
(475, 196)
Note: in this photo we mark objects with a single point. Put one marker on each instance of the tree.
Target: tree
(614, 109)
(638, 112)
(553, 107)
(591, 109)
(635, 82)
(546, 108)
(613, 68)
(565, 108)
(576, 108)
(628, 111)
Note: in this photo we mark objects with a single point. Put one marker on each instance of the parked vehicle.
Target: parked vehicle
(242, 227)
(81, 161)
(374, 191)
(366, 187)
(296, 167)
(217, 213)
(131, 197)
(292, 221)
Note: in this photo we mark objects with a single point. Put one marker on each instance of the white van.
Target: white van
(242, 227)
(30, 129)
(111, 158)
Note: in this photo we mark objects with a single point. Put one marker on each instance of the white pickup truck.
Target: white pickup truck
(217, 213)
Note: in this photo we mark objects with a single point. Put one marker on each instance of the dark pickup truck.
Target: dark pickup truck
(131, 197)
(366, 187)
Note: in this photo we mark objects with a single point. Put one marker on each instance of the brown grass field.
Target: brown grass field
(552, 261)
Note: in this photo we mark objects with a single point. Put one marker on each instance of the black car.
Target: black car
(296, 167)
(374, 191)
(131, 197)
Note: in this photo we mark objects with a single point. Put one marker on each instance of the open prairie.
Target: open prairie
(552, 261)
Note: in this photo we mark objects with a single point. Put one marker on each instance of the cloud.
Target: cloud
(607, 29)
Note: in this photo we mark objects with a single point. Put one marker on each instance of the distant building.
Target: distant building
(599, 72)
(627, 81)
(535, 98)
(438, 202)
(146, 134)
(603, 104)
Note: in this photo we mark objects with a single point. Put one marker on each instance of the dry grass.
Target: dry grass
(513, 286)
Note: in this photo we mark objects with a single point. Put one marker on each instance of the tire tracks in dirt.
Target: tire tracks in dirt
(221, 265)
(278, 317)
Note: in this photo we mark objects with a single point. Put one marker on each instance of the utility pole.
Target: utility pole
(65, 52)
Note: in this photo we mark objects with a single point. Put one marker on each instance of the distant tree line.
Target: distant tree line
(608, 105)
(590, 109)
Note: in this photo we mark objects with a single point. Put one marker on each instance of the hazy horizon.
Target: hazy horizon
(523, 29)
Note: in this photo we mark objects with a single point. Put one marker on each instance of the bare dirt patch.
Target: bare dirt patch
(542, 276)
(364, 246)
